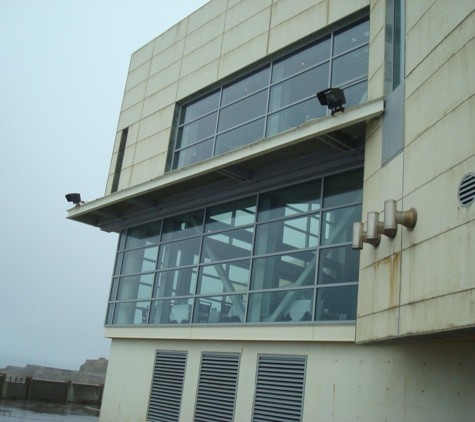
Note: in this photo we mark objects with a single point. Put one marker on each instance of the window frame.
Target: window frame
(207, 147)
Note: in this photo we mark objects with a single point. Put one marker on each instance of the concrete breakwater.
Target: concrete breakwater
(29, 388)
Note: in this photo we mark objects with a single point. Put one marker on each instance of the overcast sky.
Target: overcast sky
(63, 66)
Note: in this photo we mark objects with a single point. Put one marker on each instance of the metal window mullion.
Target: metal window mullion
(217, 120)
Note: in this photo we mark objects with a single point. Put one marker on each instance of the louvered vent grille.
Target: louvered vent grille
(466, 193)
(217, 387)
(280, 389)
(167, 386)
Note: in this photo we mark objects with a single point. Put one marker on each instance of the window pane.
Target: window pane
(350, 38)
(180, 282)
(356, 94)
(294, 270)
(196, 131)
(281, 236)
(242, 111)
(350, 66)
(240, 136)
(338, 224)
(110, 313)
(181, 253)
(193, 154)
(338, 265)
(201, 107)
(301, 61)
(184, 225)
(290, 200)
(135, 287)
(281, 306)
(144, 235)
(140, 260)
(231, 214)
(299, 87)
(127, 313)
(122, 239)
(294, 116)
(336, 303)
(228, 245)
(118, 263)
(219, 309)
(171, 311)
(228, 277)
(113, 294)
(246, 86)
(343, 188)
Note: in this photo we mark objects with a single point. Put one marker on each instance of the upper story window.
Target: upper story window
(282, 256)
(279, 96)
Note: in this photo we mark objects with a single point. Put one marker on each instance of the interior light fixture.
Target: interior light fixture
(334, 98)
(75, 198)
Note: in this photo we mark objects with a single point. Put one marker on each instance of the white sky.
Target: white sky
(63, 66)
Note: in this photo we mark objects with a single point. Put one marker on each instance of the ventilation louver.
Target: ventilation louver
(466, 192)
(280, 389)
(217, 387)
(167, 386)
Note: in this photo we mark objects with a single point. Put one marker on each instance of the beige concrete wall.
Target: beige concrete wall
(220, 38)
(424, 281)
(344, 382)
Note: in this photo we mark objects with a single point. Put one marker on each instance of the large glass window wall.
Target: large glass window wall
(281, 256)
(276, 98)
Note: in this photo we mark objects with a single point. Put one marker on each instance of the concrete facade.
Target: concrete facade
(409, 354)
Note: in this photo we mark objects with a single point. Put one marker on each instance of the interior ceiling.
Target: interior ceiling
(349, 140)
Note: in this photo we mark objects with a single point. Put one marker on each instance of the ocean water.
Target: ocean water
(30, 411)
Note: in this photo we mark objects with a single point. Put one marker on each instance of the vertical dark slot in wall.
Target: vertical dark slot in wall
(120, 159)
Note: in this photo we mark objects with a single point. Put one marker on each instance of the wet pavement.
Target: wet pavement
(29, 411)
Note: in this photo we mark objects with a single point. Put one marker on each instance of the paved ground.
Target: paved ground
(23, 411)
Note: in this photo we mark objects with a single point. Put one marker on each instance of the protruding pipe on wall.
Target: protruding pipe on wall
(360, 237)
(392, 218)
(375, 228)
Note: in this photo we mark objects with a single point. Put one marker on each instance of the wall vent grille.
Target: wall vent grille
(167, 386)
(217, 387)
(466, 192)
(279, 389)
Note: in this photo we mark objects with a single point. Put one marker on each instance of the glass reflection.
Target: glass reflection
(245, 86)
(227, 245)
(219, 309)
(196, 131)
(290, 234)
(292, 270)
(239, 137)
(291, 200)
(242, 111)
(294, 116)
(350, 66)
(135, 287)
(178, 254)
(356, 94)
(344, 188)
(180, 282)
(301, 60)
(338, 265)
(338, 224)
(336, 303)
(144, 235)
(299, 87)
(199, 108)
(128, 313)
(184, 225)
(171, 311)
(231, 214)
(193, 154)
(352, 37)
(228, 277)
(139, 260)
(281, 306)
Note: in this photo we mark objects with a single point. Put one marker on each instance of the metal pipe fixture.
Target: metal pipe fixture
(375, 228)
(359, 236)
(392, 218)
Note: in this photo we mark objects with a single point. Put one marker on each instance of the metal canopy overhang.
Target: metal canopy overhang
(344, 133)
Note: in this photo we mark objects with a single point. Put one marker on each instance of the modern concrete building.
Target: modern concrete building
(236, 293)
